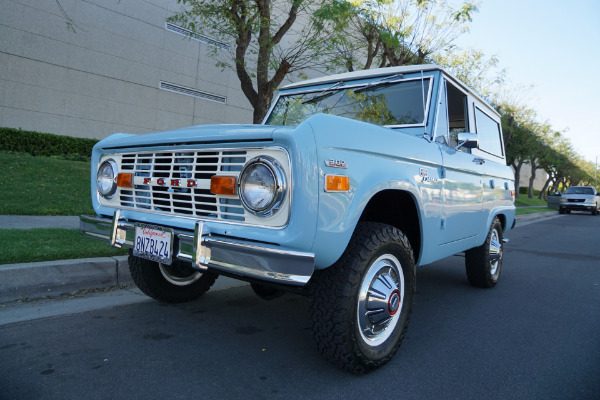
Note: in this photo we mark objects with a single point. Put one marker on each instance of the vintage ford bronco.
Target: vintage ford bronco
(351, 181)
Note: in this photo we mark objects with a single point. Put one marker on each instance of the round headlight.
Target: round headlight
(106, 181)
(262, 186)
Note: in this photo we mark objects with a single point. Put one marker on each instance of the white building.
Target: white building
(96, 67)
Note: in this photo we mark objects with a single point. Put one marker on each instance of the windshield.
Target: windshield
(579, 190)
(389, 103)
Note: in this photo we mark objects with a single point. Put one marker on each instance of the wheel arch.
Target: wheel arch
(506, 215)
(399, 209)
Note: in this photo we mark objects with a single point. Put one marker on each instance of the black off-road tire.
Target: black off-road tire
(149, 278)
(337, 312)
(484, 263)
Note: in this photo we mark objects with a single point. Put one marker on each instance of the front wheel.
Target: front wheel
(483, 263)
(174, 283)
(361, 305)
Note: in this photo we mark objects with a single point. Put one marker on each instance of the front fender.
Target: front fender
(375, 159)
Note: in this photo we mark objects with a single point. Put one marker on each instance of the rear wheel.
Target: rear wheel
(361, 305)
(483, 263)
(174, 283)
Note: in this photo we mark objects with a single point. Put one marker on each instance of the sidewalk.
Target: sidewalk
(52, 278)
(37, 221)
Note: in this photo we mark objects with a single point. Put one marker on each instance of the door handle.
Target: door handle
(479, 161)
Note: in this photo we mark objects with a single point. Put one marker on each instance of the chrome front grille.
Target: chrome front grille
(196, 166)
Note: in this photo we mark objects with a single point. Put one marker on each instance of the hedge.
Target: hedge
(45, 144)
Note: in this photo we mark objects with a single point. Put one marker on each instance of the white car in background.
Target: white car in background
(580, 198)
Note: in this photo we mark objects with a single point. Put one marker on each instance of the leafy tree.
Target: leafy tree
(518, 142)
(478, 71)
(270, 42)
(388, 33)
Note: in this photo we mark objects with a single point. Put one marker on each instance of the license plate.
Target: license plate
(153, 243)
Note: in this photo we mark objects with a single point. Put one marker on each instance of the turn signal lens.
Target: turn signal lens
(124, 180)
(336, 183)
(224, 185)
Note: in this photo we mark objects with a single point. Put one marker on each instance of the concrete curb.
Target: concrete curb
(526, 219)
(51, 278)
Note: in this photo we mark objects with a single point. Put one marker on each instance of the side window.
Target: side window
(458, 120)
(488, 131)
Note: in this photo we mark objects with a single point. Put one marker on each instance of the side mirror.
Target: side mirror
(468, 140)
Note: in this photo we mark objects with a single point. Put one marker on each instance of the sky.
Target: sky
(554, 46)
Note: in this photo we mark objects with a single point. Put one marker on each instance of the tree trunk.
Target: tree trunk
(541, 196)
(531, 181)
(517, 168)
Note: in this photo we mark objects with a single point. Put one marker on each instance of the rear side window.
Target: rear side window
(488, 131)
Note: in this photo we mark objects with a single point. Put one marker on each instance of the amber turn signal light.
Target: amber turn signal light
(336, 183)
(224, 185)
(124, 180)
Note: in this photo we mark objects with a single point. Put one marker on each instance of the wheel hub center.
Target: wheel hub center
(394, 302)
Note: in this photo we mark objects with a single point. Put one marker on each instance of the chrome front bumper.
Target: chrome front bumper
(246, 260)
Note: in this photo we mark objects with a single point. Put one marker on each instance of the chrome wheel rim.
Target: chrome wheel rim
(178, 277)
(380, 300)
(495, 253)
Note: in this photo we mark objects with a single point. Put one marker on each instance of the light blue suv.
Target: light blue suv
(349, 184)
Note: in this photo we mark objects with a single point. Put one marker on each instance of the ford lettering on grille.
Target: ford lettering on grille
(179, 183)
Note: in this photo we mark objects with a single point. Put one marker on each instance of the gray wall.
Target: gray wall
(525, 174)
(105, 77)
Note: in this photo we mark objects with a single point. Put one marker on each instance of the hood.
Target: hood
(578, 196)
(201, 134)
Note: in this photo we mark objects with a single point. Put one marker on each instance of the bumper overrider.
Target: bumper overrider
(205, 251)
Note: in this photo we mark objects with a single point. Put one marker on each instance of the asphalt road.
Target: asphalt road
(536, 335)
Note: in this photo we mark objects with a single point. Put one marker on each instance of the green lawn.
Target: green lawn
(29, 245)
(524, 201)
(46, 186)
(43, 186)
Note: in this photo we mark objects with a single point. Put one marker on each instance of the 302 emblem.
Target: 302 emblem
(336, 163)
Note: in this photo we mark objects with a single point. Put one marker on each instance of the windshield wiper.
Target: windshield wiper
(381, 82)
(325, 93)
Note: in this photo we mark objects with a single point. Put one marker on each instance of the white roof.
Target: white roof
(371, 73)
(366, 73)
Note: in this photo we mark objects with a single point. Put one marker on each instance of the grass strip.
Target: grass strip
(522, 211)
(43, 186)
(525, 201)
(30, 245)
